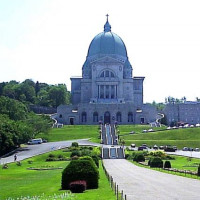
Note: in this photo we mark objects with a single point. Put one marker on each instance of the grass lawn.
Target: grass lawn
(185, 163)
(72, 132)
(18, 181)
(189, 137)
(180, 163)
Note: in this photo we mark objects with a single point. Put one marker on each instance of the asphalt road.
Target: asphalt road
(139, 183)
(32, 150)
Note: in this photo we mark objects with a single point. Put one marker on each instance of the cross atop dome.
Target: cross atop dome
(107, 17)
(107, 26)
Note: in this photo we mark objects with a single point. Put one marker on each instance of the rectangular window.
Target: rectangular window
(107, 73)
(107, 91)
(112, 92)
(101, 92)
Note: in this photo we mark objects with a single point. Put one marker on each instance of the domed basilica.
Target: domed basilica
(107, 92)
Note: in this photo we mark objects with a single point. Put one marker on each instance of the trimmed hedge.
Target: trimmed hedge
(74, 144)
(198, 171)
(139, 158)
(75, 153)
(167, 164)
(88, 158)
(80, 170)
(156, 162)
(96, 160)
(78, 186)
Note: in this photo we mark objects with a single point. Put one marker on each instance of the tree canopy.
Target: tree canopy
(37, 93)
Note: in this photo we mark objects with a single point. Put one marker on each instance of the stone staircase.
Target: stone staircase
(110, 150)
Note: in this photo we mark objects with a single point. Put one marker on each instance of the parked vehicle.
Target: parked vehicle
(161, 147)
(144, 145)
(44, 141)
(35, 141)
(175, 148)
(169, 148)
(190, 149)
(185, 149)
(141, 148)
(133, 145)
(196, 149)
(155, 147)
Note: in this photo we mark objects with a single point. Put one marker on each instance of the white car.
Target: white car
(35, 141)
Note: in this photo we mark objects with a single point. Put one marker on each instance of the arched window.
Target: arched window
(102, 74)
(130, 117)
(84, 117)
(95, 117)
(119, 117)
(107, 74)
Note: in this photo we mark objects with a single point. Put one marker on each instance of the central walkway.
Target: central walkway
(139, 183)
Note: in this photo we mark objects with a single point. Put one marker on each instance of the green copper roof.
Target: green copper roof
(107, 43)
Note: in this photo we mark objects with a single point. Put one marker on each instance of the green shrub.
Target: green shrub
(18, 163)
(96, 160)
(85, 152)
(78, 186)
(198, 171)
(75, 153)
(96, 151)
(74, 144)
(60, 156)
(156, 162)
(80, 170)
(51, 155)
(158, 153)
(139, 158)
(5, 166)
(167, 164)
(75, 158)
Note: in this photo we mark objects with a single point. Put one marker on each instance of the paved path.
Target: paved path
(33, 150)
(139, 183)
(193, 154)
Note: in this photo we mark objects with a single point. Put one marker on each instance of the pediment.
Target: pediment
(108, 59)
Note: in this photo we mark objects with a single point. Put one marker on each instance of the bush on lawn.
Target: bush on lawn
(96, 160)
(85, 152)
(51, 155)
(74, 144)
(198, 171)
(156, 162)
(167, 164)
(75, 153)
(80, 170)
(158, 153)
(78, 186)
(139, 158)
(93, 159)
(88, 158)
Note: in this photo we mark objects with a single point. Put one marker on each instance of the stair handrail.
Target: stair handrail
(106, 135)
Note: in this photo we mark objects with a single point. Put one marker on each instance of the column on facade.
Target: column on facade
(116, 91)
(99, 88)
(104, 91)
(109, 91)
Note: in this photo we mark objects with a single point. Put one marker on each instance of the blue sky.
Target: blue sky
(47, 40)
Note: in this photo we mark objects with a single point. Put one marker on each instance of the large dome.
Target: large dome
(107, 43)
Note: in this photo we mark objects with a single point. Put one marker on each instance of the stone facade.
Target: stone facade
(107, 90)
(187, 112)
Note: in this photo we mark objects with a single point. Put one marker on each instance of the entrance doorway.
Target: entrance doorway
(107, 118)
(142, 120)
(71, 120)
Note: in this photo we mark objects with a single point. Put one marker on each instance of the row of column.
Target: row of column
(107, 91)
